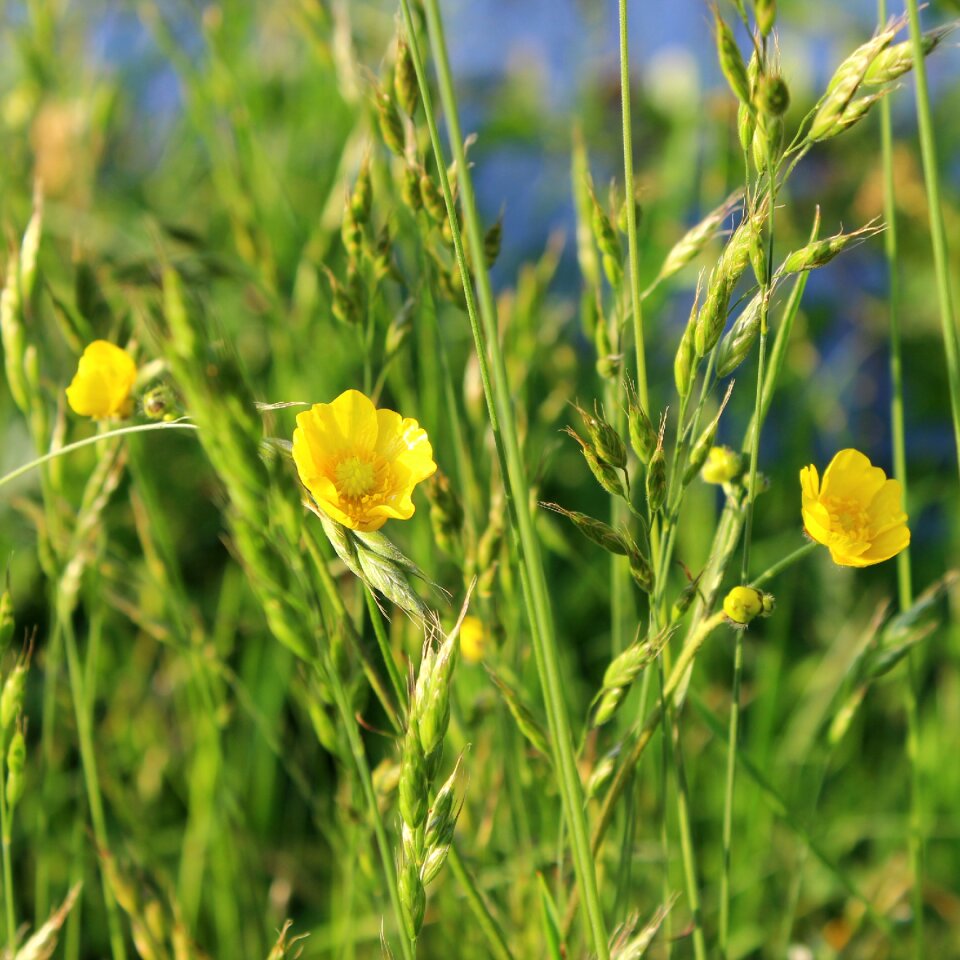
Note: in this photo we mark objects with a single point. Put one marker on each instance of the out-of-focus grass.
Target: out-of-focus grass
(222, 142)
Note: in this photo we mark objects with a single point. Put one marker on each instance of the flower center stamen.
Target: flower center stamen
(355, 477)
(848, 519)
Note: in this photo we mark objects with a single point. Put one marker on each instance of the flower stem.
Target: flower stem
(734, 724)
(6, 825)
(788, 561)
(88, 758)
(633, 252)
(87, 441)
(904, 579)
(938, 233)
(500, 407)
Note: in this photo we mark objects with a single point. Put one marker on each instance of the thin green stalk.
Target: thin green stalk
(393, 671)
(938, 237)
(734, 725)
(904, 578)
(787, 561)
(496, 938)
(6, 825)
(88, 759)
(686, 847)
(633, 252)
(88, 441)
(373, 810)
(503, 423)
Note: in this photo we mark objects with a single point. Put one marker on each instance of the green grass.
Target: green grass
(230, 716)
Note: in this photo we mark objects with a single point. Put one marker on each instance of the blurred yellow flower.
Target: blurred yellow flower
(103, 381)
(856, 512)
(722, 466)
(473, 639)
(360, 463)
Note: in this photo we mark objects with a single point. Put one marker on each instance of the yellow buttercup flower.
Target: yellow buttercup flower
(102, 384)
(722, 466)
(360, 463)
(473, 639)
(856, 512)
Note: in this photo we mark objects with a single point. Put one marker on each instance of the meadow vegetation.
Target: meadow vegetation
(376, 587)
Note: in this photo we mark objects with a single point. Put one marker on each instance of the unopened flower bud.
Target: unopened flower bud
(744, 604)
(722, 465)
(158, 402)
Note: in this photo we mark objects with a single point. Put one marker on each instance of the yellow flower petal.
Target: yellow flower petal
(851, 475)
(361, 464)
(103, 382)
(857, 513)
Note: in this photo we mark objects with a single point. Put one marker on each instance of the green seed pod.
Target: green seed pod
(711, 318)
(16, 762)
(608, 241)
(531, 728)
(606, 441)
(773, 95)
(11, 700)
(596, 531)
(701, 449)
(491, 242)
(7, 621)
(737, 342)
(843, 86)
(684, 599)
(413, 898)
(410, 188)
(361, 197)
(600, 775)
(819, 252)
(391, 126)
(731, 60)
(897, 60)
(767, 141)
(643, 436)
(641, 571)
(351, 232)
(657, 479)
(13, 334)
(765, 13)
(413, 779)
(745, 127)
(405, 85)
(605, 475)
(622, 672)
(432, 198)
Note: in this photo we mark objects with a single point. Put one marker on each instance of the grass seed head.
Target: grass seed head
(731, 59)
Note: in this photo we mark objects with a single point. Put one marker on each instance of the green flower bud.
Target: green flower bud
(744, 604)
